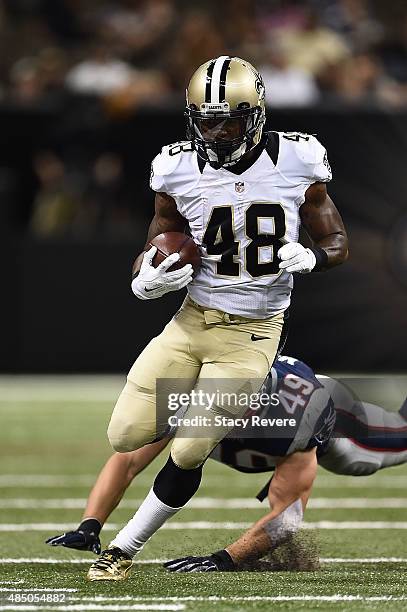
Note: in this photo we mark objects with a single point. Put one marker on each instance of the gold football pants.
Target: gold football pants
(209, 350)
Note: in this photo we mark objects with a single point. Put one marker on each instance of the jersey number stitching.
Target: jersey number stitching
(220, 239)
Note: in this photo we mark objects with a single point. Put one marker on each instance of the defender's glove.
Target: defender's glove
(80, 540)
(296, 258)
(220, 561)
(152, 282)
(86, 537)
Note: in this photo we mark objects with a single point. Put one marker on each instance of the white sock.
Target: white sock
(150, 516)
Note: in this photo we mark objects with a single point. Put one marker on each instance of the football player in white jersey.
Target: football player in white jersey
(242, 194)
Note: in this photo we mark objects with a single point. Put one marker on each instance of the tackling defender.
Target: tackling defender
(365, 438)
(243, 195)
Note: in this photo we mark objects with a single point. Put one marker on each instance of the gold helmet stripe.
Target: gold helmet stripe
(215, 84)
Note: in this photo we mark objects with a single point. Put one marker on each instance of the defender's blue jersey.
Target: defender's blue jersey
(300, 415)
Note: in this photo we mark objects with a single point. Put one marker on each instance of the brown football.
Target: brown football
(176, 242)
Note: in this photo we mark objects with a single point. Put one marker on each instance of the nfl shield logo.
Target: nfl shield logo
(239, 187)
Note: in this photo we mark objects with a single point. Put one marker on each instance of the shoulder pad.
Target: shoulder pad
(166, 162)
(311, 155)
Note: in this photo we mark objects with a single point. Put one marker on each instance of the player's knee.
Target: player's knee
(123, 441)
(188, 454)
(132, 424)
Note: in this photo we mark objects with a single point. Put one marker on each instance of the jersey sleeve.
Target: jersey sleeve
(321, 171)
(162, 167)
(314, 159)
(305, 162)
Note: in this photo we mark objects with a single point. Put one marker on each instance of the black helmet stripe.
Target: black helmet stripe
(222, 82)
(209, 74)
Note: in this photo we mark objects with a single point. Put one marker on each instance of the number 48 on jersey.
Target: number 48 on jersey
(220, 239)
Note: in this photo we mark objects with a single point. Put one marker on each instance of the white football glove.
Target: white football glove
(152, 282)
(296, 258)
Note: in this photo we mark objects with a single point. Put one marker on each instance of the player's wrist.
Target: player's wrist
(321, 258)
(223, 561)
(90, 525)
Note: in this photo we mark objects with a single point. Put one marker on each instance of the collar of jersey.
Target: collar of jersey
(243, 164)
(247, 162)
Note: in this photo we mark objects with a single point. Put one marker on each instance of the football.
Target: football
(176, 242)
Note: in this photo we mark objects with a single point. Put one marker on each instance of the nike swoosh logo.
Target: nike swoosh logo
(254, 338)
(147, 290)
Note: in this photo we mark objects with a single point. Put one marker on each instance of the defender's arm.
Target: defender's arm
(292, 481)
(324, 225)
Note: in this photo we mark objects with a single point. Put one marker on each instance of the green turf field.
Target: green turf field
(53, 443)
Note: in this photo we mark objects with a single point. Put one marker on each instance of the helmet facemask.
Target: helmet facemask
(220, 136)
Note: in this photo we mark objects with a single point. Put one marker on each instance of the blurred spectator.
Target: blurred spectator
(100, 73)
(102, 60)
(197, 41)
(52, 63)
(362, 80)
(393, 51)
(285, 84)
(314, 47)
(80, 203)
(107, 196)
(25, 80)
(352, 19)
(57, 202)
(138, 29)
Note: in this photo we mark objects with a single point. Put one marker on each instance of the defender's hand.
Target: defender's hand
(220, 561)
(153, 282)
(80, 540)
(296, 258)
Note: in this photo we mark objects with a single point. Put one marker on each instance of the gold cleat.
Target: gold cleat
(113, 564)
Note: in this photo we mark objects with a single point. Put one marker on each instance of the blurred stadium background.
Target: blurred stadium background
(89, 92)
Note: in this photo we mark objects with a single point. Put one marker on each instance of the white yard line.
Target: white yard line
(355, 525)
(45, 480)
(254, 598)
(84, 608)
(198, 525)
(206, 503)
(59, 527)
(376, 481)
(364, 560)
(87, 560)
(36, 590)
(324, 481)
(60, 389)
(210, 599)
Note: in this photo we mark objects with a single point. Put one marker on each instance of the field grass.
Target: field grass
(53, 443)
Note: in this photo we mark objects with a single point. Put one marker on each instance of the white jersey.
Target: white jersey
(241, 216)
